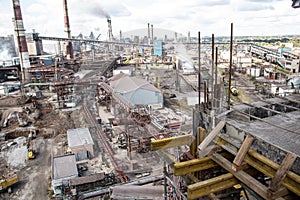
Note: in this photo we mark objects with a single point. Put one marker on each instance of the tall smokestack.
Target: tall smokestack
(152, 32)
(148, 33)
(121, 36)
(69, 47)
(189, 36)
(110, 35)
(21, 40)
(66, 19)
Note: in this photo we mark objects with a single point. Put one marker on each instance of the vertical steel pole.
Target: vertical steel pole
(216, 79)
(199, 69)
(212, 69)
(230, 67)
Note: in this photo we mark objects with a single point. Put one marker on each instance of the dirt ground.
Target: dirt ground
(34, 175)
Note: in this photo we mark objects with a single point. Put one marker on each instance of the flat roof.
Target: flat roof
(280, 130)
(64, 167)
(79, 137)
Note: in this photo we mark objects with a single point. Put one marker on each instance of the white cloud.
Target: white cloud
(250, 17)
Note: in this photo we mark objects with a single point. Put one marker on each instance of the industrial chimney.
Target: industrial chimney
(151, 33)
(148, 33)
(21, 41)
(69, 47)
(110, 35)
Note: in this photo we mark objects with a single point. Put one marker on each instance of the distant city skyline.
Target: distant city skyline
(250, 17)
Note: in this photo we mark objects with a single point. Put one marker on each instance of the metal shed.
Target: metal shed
(138, 91)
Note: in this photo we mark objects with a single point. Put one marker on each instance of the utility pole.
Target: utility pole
(199, 69)
(230, 67)
(212, 69)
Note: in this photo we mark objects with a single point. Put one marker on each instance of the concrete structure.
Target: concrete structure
(81, 143)
(63, 169)
(242, 60)
(261, 137)
(124, 69)
(293, 65)
(35, 47)
(137, 91)
(253, 72)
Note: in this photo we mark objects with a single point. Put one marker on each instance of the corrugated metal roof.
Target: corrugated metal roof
(127, 84)
(64, 166)
(79, 137)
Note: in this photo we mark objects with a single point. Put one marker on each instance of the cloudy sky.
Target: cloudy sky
(250, 17)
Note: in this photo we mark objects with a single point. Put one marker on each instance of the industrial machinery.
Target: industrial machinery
(7, 180)
(234, 91)
(31, 153)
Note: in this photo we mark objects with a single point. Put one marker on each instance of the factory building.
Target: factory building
(137, 91)
(81, 143)
(64, 168)
(35, 45)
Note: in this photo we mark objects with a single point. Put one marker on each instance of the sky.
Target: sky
(249, 17)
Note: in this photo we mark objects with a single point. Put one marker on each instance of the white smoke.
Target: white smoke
(5, 55)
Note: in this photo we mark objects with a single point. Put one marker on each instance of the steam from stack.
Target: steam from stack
(21, 41)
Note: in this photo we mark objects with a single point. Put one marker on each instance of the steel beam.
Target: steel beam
(171, 142)
(215, 184)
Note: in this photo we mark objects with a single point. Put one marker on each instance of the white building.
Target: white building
(292, 66)
(64, 168)
(124, 69)
(81, 143)
(137, 91)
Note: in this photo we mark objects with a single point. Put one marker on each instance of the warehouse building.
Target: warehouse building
(137, 91)
(64, 168)
(81, 143)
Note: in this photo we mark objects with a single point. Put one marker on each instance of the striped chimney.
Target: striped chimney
(66, 19)
(69, 46)
(21, 41)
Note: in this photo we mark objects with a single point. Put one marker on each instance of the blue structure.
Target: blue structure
(158, 49)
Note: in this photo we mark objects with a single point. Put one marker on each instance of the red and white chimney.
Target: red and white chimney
(69, 46)
(21, 41)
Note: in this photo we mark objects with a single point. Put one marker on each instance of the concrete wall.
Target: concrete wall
(83, 152)
(57, 184)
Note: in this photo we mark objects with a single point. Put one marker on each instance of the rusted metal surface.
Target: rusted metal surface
(138, 113)
(91, 119)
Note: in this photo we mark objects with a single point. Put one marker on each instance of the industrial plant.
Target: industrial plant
(148, 116)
